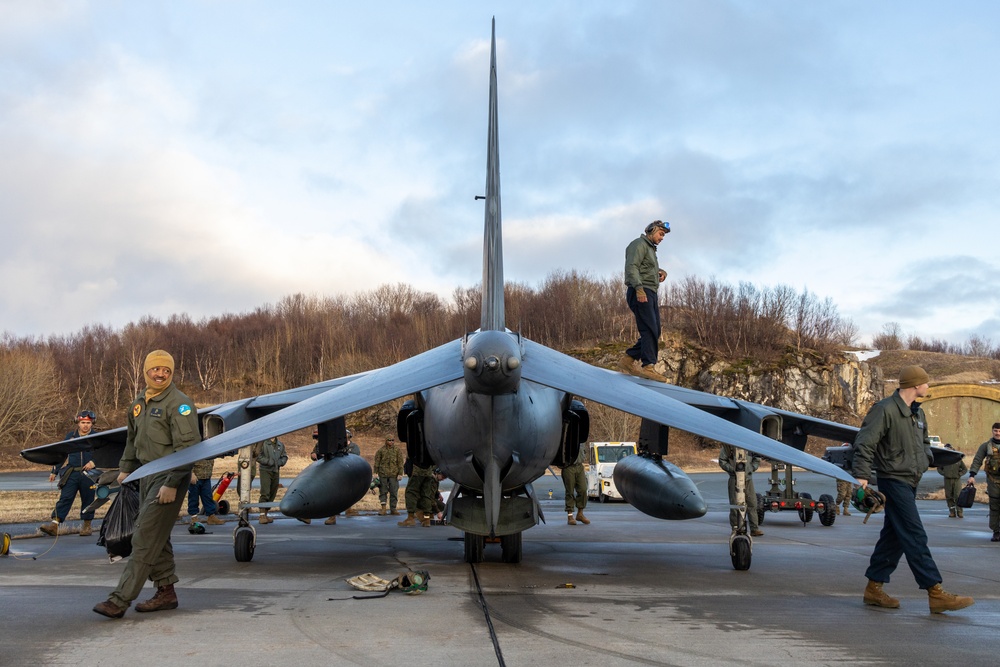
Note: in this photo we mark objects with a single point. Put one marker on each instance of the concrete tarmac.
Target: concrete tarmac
(644, 592)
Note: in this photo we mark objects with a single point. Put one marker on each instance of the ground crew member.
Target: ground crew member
(72, 481)
(988, 456)
(420, 491)
(270, 455)
(893, 438)
(643, 276)
(844, 491)
(161, 421)
(388, 467)
(953, 484)
(727, 461)
(439, 504)
(200, 489)
(575, 483)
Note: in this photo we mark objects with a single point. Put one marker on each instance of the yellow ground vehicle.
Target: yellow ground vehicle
(600, 468)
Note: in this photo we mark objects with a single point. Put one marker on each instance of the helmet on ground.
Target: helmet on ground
(196, 528)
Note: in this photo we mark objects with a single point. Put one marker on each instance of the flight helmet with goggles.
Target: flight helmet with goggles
(85, 414)
(658, 224)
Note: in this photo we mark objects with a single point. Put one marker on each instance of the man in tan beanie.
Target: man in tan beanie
(162, 420)
(894, 438)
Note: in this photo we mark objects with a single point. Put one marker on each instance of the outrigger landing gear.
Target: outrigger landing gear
(740, 542)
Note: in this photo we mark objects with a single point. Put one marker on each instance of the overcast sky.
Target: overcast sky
(211, 157)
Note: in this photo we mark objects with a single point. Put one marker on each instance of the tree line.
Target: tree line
(305, 339)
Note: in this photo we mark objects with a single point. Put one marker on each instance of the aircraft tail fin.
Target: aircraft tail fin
(493, 284)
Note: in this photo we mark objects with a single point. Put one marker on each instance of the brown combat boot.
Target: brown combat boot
(424, 519)
(264, 519)
(213, 520)
(351, 512)
(332, 521)
(165, 598)
(582, 519)
(626, 364)
(87, 530)
(570, 520)
(941, 601)
(838, 510)
(847, 510)
(874, 595)
(382, 512)
(50, 528)
(109, 609)
(959, 510)
(394, 512)
(951, 513)
(408, 521)
(650, 373)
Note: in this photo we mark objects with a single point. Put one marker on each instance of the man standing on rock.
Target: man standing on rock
(643, 276)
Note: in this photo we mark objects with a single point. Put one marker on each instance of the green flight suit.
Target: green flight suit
(421, 490)
(575, 483)
(952, 483)
(167, 423)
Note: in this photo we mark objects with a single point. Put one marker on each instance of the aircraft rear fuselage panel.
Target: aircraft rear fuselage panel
(521, 431)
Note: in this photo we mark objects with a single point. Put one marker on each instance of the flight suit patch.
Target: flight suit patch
(156, 413)
(136, 409)
(184, 410)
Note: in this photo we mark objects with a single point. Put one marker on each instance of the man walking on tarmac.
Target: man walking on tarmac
(575, 484)
(72, 481)
(988, 457)
(161, 421)
(893, 436)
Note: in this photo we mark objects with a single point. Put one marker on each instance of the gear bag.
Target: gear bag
(119, 522)
(966, 497)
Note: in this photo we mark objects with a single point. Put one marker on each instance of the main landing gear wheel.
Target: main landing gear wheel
(829, 513)
(740, 552)
(223, 507)
(510, 548)
(243, 544)
(474, 548)
(805, 514)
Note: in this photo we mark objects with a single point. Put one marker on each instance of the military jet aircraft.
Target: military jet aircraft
(492, 410)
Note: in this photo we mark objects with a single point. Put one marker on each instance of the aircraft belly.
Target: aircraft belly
(521, 431)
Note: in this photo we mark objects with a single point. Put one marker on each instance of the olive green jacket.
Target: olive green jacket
(894, 440)
(167, 423)
(983, 455)
(389, 462)
(642, 269)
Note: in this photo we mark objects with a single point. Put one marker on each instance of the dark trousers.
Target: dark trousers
(902, 533)
(76, 483)
(202, 490)
(647, 321)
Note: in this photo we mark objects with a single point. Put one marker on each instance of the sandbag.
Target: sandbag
(119, 522)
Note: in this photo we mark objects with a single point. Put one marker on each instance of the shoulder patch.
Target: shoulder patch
(136, 409)
(184, 410)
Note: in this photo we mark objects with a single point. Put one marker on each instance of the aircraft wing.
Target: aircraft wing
(434, 367)
(559, 371)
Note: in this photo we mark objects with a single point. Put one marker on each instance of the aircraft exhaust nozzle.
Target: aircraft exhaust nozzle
(491, 363)
(658, 488)
(326, 488)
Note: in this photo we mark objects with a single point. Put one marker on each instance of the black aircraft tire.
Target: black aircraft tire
(510, 548)
(601, 498)
(760, 509)
(243, 545)
(223, 507)
(474, 545)
(829, 513)
(741, 552)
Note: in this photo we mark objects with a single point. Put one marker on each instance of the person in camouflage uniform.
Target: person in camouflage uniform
(988, 456)
(270, 456)
(953, 484)
(844, 491)
(388, 467)
(161, 421)
(420, 492)
(575, 484)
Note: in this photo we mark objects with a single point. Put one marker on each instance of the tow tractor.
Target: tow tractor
(782, 496)
(600, 467)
